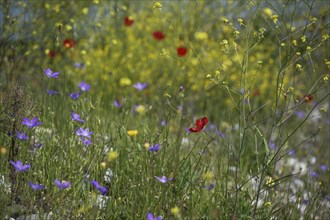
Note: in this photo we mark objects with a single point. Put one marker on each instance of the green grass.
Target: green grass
(250, 69)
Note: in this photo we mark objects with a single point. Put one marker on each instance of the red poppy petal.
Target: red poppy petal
(181, 51)
(194, 129)
(205, 120)
(199, 124)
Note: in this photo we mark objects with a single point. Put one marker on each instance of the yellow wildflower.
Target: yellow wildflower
(112, 155)
(132, 133)
(140, 109)
(146, 145)
(268, 12)
(103, 164)
(201, 36)
(175, 211)
(125, 82)
(157, 5)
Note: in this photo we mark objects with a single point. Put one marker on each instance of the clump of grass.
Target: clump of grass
(172, 111)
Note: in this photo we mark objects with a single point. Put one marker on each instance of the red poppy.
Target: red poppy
(308, 98)
(68, 43)
(181, 51)
(52, 53)
(158, 35)
(128, 21)
(200, 123)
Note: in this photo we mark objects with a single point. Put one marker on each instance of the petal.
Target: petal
(205, 120)
(194, 129)
(199, 124)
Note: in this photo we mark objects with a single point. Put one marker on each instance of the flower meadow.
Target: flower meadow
(164, 109)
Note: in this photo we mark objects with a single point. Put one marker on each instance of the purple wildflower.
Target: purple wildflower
(84, 86)
(271, 145)
(79, 65)
(305, 201)
(50, 74)
(140, 86)
(300, 114)
(22, 136)
(312, 173)
(75, 96)
(37, 145)
(151, 217)
(328, 198)
(324, 167)
(19, 166)
(52, 92)
(62, 184)
(163, 122)
(84, 133)
(154, 148)
(211, 186)
(76, 117)
(117, 104)
(86, 141)
(100, 188)
(163, 179)
(31, 123)
(36, 186)
(292, 152)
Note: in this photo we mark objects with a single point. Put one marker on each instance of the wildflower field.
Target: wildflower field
(138, 109)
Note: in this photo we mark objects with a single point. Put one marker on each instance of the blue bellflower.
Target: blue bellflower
(151, 217)
(74, 96)
(84, 86)
(50, 74)
(100, 188)
(19, 167)
(52, 92)
(36, 186)
(84, 133)
(31, 123)
(62, 184)
(76, 117)
(163, 179)
(140, 86)
(154, 148)
(22, 136)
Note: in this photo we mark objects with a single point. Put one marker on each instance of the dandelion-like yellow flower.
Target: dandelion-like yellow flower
(84, 11)
(103, 164)
(132, 133)
(268, 12)
(112, 155)
(146, 145)
(68, 27)
(125, 82)
(175, 211)
(201, 36)
(140, 109)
